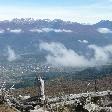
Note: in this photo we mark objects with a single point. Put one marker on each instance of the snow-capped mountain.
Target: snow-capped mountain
(25, 35)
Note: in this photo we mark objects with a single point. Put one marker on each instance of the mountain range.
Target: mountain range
(24, 36)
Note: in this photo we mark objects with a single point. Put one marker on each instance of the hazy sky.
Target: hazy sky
(83, 11)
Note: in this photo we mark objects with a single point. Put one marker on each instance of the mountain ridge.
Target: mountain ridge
(46, 22)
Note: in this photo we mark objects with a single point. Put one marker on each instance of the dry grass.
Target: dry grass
(5, 108)
(58, 86)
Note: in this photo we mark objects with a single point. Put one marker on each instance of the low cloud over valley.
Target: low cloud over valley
(59, 55)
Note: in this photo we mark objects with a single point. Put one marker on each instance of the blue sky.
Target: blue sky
(46, 2)
(83, 11)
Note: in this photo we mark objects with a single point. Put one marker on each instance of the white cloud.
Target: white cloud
(102, 54)
(59, 55)
(67, 31)
(47, 29)
(2, 31)
(36, 30)
(83, 41)
(16, 31)
(104, 30)
(11, 54)
(55, 30)
(50, 30)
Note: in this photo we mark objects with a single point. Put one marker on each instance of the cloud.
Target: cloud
(11, 54)
(104, 30)
(2, 31)
(36, 30)
(102, 54)
(59, 55)
(50, 30)
(55, 30)
(83, 41)
(16, 31)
